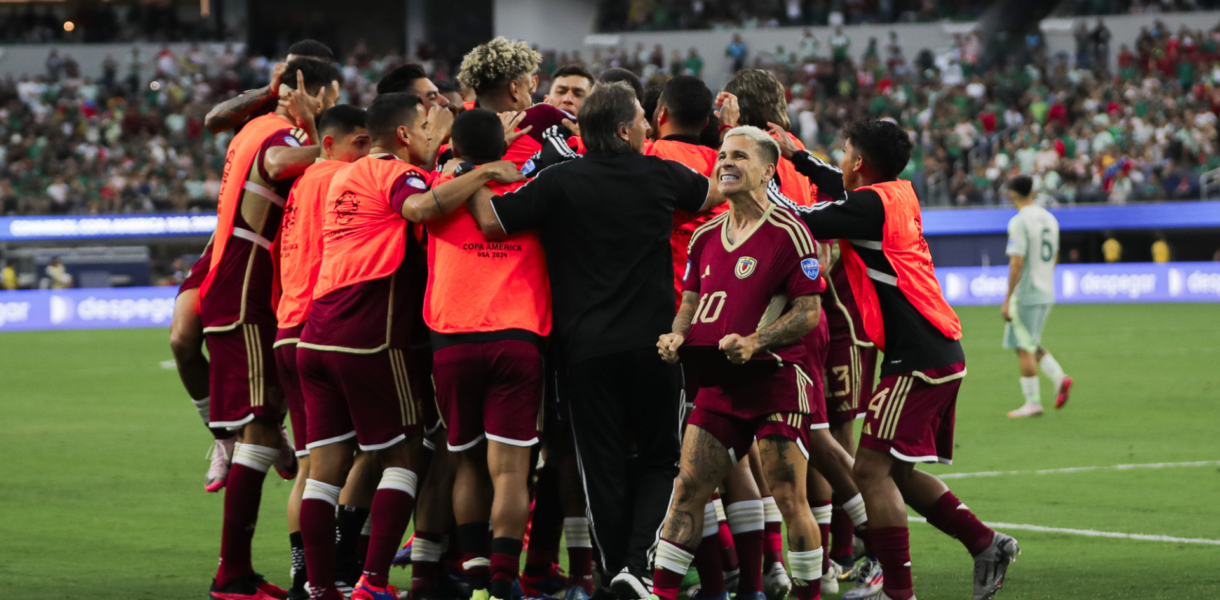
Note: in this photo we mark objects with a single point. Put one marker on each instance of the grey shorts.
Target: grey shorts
(1024, 331)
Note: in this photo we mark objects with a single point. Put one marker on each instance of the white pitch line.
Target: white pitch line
(1093, 533)
(1200, 463)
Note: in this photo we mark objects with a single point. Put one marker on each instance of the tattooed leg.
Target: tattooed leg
(704, 464)
(786, 469)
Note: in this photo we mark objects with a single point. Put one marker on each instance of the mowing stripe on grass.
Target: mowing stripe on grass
(1093, 533)
(1198, 463)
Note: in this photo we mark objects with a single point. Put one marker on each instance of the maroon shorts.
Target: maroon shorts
(199, 271)
(911, 415)
(787, 389)
(290, 380)
(243, 377)
(850, 370)
(737, 435)
(371, 397)
(489, 390)
(817, 345)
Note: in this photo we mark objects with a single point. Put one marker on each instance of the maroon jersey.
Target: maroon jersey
(241, 291)
(842, 314)
(745, 286)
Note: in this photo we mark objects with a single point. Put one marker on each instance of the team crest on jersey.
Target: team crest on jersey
(811, 268)
(346, 206)
(745, 266)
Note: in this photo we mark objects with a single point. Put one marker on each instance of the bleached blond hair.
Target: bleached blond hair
(767, 146)
(496, 63)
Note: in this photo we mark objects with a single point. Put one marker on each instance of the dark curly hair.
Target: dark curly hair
(883, 145)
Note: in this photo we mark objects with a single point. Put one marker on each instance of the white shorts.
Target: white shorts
(1024, 331)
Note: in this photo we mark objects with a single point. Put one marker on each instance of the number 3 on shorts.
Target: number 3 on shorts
(878, 402)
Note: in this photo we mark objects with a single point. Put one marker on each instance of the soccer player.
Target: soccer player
(1033, 250)
(569, 86)
(611, 274)
(751, 291)
(910, 417)
(354, 377)
(411, 78)
(452, 93)
(237, 111)
(238, 315)
(488, 305)
(298, 251)
(503, 75)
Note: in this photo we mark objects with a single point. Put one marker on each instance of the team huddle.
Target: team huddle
(643, 321)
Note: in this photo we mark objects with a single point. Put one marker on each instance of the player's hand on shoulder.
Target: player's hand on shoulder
(786, 146)
(503, 171)
(739, 349)
(511, 120)
(668, 346)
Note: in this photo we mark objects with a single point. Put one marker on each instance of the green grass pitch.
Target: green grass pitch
(102, 463)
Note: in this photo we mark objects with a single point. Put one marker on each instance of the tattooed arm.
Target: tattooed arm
(668, 345)
(792, 326)
(235, 111)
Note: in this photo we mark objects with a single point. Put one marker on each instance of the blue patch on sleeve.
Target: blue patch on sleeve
(811, 268)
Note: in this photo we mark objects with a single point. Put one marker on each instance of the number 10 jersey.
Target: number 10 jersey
(747, 284)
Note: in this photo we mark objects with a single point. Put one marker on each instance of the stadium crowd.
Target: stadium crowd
(135, 140)
(661, 15)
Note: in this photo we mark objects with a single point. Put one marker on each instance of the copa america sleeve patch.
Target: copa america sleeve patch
(811, 268)
(291, 141)
(687, 273)
(417, 184)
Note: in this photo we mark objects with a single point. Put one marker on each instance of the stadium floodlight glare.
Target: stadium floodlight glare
(69, 25)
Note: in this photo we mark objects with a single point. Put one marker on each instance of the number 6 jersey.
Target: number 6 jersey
(746, 285)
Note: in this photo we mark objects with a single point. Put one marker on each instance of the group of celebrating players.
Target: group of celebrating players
(383, 277)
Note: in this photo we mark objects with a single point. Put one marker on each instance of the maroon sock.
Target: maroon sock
(476, 545)
(505, 560)
(318, 533)
(893, 545)
(666, 580)
(426, 573)
(812, 590)
(749, 559)
(728, 547)
(841, 533)
(949, 515)
(710, 564)
(580, 568)
(774, 553)
(390, 514)
(862, 531)
(546, 524)
(243, 493)
(824, 530)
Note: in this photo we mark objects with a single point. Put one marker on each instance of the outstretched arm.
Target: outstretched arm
(235, 111)
(826, 176)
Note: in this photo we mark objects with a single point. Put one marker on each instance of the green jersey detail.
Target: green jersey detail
(1034, 234)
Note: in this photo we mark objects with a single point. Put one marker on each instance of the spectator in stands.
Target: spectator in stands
(57, 275)
(737, 52)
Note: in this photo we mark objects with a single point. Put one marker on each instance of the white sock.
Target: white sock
(317, 490)
(204, 406)
(397, 478)
(771, 512)
(822, 513)
(425, 551)
(1029, 388)
(672, 558)
(259, 458)
(805, 566)
(576, 532)
(745, 516)
(1051, 368)
(855, 510)
(710, 526)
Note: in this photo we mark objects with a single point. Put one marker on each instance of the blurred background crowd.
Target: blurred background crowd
(1118, 120)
